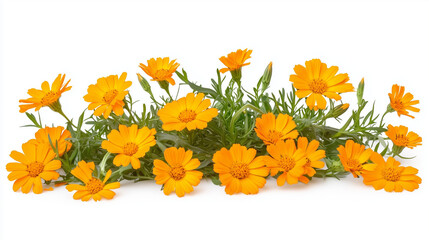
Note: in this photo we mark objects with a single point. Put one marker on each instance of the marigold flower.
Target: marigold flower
(390, 175)
(312, 157)
(131, 144)
(235, 60)
(239, 170)
(160, 69)
(58, 136)
(316, 80)
(288, 160)
(178, 173)
(94, 188)
(189, 112)
(354, 156)
(107, 95)
(402, 138)
(271, 129)
(402, 103)
(47, 97)
(34, 164)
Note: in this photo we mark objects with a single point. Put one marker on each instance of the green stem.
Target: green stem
(241, 110)
(68, 120)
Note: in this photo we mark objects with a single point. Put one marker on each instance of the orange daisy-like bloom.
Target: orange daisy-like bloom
(235, 60)
(316, 80)
(131, 144)
(94, 188)
(402, 103)
(390, 175)
(160, 69)
(188, 112)
(288, 160)
(107, 95)
(239, 170)
(271, 129)
(354, 157)
(34, 164)
(178, 173)
(402, 138)
(47, 97)
(58, 138)
(312, 156)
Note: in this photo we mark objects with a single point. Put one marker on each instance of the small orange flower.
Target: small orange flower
(131, 144)
(235, 60)
(354, 157)
(402, 138)
(160, 69)
(312, 156)
(189, 112)
(107, 95)
(402, 103)
(94, 187)
(47, 97)
(317, 80)
(58, 136)
(239, 170)
(35, 163)
(390, 175)
(179, 173)
(271, 129)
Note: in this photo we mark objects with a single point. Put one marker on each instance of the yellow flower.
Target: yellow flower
(271, 130)
(316, 80)
(58, 138)
(239, 170)
(390, 175)
(288, 160)
(34, 164)
(178, 173)
(160, 69)
(46, 97)
(354, 157)
(402, 103)
(402, 138)
(188, 112)
(107, 95)
(94, 187)
(131, 144)
(235, 60)
(312, 157)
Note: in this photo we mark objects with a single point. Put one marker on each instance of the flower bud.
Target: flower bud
(266, 78)
(144, 83)
(360, 92)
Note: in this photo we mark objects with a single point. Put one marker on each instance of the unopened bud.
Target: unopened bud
(144, 83)
(360, 91)
(266, 78)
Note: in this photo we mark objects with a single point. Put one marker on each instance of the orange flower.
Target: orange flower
(178, 173)
(160, 69)
(312, 156)
(58, 138)
(94, 187)
(189, 112)
(354, 157)
(402, 103)
(390, 175)
(239, 170)
(288, 160)
(402, 138)
(271, 130)
(131, 144)
(316, 80)
(46, 97)
(35, 163)
(107, 95)
(235, 60)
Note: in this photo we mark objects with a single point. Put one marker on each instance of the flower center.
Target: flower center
(401, 140)
(353, 164)
(94, 186)
(274, 136)
(49, 98)
(177, 172)
(286, 163)
(318, 86)
(397, 105)
(110, 95)
(240, 170)
(162, 74)
(187, 116)
(391, 174)
(130, 148)
(34, 169)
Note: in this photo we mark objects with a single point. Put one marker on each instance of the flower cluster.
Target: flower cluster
(230, 134)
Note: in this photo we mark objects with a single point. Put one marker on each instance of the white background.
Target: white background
(385, 42)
